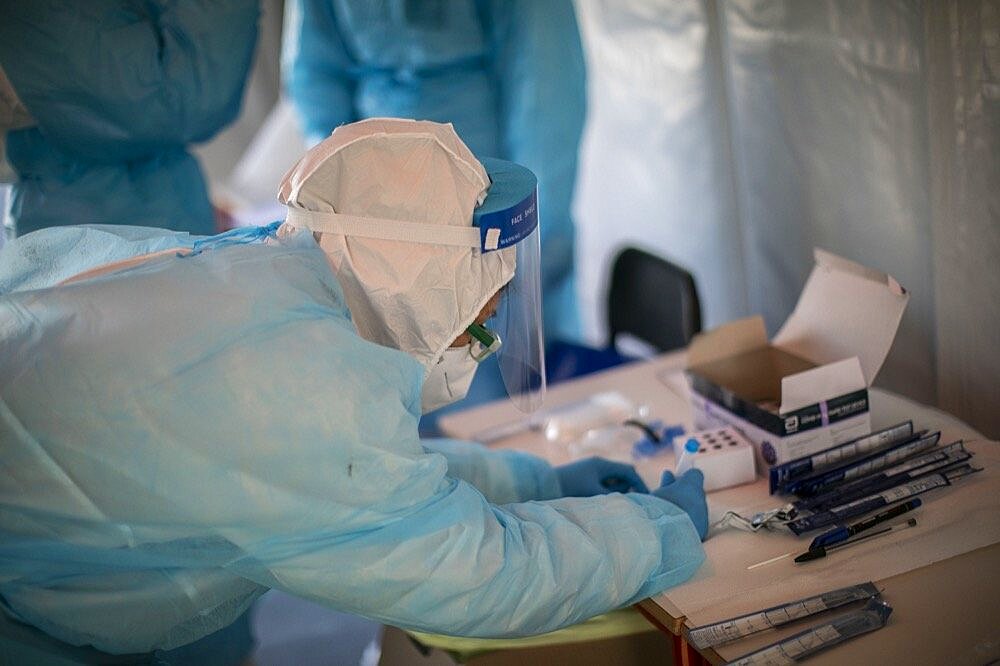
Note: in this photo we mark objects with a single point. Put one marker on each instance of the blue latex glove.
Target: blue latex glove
(688, 493)
(597, 476)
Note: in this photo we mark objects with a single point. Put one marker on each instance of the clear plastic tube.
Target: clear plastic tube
(686, 459)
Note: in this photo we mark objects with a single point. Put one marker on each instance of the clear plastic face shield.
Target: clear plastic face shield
(508, 218)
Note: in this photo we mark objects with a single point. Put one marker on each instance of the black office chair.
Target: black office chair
(650, 299)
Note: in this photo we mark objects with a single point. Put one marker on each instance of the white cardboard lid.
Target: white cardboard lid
(844, 310)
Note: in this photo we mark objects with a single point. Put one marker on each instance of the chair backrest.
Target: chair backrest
(653, 300)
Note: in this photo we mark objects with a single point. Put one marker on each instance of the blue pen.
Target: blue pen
(844, 533)
(823, 551)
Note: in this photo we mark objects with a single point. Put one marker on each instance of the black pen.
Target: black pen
(840, 534)
(821, 551)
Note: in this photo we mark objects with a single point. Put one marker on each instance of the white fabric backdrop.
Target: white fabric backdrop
(732, 137)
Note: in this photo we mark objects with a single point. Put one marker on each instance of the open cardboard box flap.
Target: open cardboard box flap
(730, 339)
(844, 324)
(845, 310)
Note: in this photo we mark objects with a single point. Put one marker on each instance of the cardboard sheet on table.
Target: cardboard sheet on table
(723, 587)
(952, 521)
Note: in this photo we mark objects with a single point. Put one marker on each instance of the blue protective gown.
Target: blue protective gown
(181, 435)
(118, 90)
(509, 74)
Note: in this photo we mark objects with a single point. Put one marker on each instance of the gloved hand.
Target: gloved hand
(688, 493)
(597, 476)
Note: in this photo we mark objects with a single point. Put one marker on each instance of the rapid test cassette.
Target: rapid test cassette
(724, 456)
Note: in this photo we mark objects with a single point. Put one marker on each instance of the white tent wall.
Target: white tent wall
(733, 137)
(827, 108)
(654, 159)
(963, 46)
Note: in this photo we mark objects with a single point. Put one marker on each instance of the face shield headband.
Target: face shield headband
(508, 217)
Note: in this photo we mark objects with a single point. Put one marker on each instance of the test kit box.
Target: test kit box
(806, 389)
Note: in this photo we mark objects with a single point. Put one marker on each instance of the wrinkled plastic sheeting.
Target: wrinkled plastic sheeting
(830, 149)
(654, 162)
(735, 137)
(963, 53)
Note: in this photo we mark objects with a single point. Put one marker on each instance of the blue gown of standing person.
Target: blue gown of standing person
(508, 74)
(118, 91)
(182, 434)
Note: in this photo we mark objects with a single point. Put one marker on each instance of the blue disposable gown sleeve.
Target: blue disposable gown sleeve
(111, 81)
(501, 475)
(316, 68)
(458, 565)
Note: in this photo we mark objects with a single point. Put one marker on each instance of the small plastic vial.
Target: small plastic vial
(686, 459)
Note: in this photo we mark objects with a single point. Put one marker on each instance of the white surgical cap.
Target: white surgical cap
(414, 295)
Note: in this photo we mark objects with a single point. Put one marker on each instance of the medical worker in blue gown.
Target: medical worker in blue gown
(188, 422)
(110, 95)
(509, 74)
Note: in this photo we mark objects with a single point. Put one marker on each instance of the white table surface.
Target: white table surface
(953, 521)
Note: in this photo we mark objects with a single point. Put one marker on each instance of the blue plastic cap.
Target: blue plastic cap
(691, 446)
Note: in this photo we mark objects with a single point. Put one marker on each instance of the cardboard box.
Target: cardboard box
(807, 389)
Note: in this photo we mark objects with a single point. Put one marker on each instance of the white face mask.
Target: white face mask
(449, 379)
